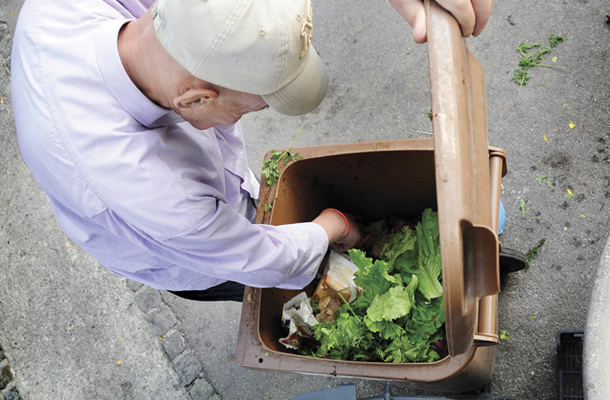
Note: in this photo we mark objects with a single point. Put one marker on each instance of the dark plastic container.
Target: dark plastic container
(569, 364)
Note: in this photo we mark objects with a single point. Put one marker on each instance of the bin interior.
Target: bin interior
(370, 185)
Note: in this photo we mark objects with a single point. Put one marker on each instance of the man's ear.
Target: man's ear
(194, 97)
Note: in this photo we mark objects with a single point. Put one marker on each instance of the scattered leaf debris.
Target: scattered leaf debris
(532, 56)
(533, 253)
(541, 179)
(523, 207)
(271, 166)
(554, 40)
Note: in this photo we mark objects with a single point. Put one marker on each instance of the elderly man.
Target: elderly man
(127, 114)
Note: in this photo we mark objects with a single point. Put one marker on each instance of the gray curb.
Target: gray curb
(596, 363)
(167, 327)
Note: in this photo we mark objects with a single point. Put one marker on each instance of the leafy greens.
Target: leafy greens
(400, 313)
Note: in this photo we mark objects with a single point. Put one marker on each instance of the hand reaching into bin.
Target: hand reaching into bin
(472, 15)
(342, 230)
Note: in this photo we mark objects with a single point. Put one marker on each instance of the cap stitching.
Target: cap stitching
(284, 50)
(236, 14)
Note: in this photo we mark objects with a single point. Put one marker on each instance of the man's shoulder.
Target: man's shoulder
(55, 13)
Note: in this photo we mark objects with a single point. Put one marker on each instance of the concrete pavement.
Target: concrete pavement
(66, 323)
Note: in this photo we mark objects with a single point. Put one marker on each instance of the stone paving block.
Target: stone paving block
(133, 285)
(202, 390)
(5, 40)
(188, 367)
(174, 345)
(148, 298)
(12, 394)
(162, 319)
(5, 377)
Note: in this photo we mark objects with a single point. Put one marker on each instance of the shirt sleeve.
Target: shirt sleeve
(227, 246)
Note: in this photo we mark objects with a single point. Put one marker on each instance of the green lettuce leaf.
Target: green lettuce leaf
(400, 310)
(393, 304)
(348, 338)
(402, 349)
(372, 277)
(429, 256)
(425, 263)
(399, 244)
(385, 329)
(426, 318)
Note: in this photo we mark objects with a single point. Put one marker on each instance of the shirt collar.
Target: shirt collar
(140, 107)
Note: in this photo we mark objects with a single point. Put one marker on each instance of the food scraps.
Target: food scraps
(335, 288)
(393, 311)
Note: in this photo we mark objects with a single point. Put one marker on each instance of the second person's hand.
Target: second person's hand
(472, 15)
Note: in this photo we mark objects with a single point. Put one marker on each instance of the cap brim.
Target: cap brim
(305, 92)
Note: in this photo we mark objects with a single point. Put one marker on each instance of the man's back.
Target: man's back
(152, 198)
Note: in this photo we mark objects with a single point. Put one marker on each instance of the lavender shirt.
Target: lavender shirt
(152, 198)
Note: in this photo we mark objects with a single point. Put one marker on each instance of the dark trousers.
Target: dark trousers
(228, 291)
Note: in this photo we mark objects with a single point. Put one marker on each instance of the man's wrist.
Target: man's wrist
(344, 219)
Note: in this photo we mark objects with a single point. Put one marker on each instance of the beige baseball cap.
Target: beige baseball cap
(254, 46)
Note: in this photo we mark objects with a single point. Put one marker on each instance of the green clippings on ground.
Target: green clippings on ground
(504, 335)
(554, 40)
(541, 179)
(429, 115)
(533, 317)
(520, 77)
(531, 58)
(267, 207)
(533, 253)
(523, 207)
(568, 194)
(583, 215)
(271, 166)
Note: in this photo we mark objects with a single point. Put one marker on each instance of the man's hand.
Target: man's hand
(342, 229)
(472, 15)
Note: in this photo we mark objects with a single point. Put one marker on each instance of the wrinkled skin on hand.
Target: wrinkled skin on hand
(472, 15)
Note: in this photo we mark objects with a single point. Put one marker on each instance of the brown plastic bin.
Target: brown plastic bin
(456, 173)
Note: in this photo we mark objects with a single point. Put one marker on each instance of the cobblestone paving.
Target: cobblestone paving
(167, 327)
(8, 388)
